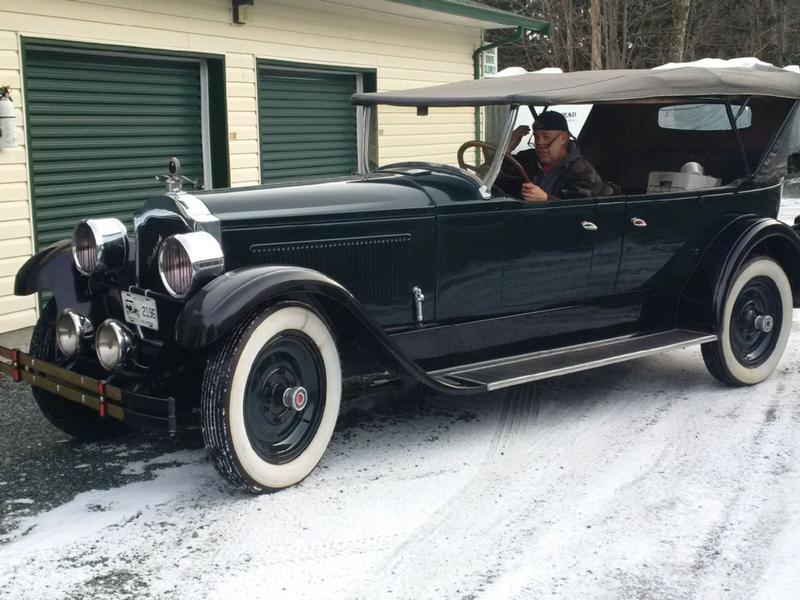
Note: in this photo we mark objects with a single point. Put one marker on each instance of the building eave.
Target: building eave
(491, 18)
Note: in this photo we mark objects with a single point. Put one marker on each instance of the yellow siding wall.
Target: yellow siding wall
(15, 224)
(405, 53)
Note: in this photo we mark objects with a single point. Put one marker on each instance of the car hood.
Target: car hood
(352, 198)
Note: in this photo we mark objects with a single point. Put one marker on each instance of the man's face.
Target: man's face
(551, 145)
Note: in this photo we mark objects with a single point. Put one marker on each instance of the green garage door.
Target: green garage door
(101, 127)
(307, 124)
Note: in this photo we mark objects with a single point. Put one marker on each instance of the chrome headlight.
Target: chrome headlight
(99, 246)
(187, 260)
(72, 330)
(114, 343)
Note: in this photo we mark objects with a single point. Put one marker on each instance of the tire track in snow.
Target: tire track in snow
(515, 416)
(751, 520)
(494, 512)
(712, 504)
(596, 494)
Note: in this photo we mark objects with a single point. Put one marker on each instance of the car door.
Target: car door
(547, 257)
(658, 232)
(503, 256)
(469, 257)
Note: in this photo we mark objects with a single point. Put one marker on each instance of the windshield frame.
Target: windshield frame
(364, 118)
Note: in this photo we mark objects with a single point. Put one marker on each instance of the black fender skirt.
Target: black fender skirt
(235, 295)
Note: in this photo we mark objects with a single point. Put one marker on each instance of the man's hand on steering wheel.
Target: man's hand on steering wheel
(530, 191)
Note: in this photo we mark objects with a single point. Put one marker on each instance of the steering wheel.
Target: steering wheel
(488, 150)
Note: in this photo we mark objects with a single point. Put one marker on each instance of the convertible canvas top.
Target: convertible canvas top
(585, 87)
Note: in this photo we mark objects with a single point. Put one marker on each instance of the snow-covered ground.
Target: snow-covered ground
(641, 480)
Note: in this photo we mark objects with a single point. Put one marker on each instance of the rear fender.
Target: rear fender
(221, 304)
(702, 299)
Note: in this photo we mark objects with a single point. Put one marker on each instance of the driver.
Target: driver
(555, 165)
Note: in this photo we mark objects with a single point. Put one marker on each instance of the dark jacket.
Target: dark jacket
(573, 177)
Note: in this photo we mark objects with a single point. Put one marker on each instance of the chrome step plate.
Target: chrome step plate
(516, 370)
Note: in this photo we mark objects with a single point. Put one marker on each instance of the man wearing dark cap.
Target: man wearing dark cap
(555, 165)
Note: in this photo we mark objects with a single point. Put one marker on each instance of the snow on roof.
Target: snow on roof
(720, 63)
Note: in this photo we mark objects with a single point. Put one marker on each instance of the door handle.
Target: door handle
(588, 226)
(637, 222)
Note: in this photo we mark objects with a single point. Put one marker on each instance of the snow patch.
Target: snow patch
(749, 62)
(173, 458)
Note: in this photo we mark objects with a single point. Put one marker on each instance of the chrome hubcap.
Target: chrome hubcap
(295, 398)
(764, 323)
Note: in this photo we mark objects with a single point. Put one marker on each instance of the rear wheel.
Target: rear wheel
(756, 322)
(270, 399)
(73, 419)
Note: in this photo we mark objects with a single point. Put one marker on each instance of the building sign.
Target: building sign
(489, 63)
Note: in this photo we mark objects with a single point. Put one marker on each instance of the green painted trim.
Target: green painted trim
(518, 34)
(473, 10)
(137, 50)
(286, 64)
(218, 123)
(31, 200)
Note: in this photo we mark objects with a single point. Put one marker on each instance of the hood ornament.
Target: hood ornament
(174, 182)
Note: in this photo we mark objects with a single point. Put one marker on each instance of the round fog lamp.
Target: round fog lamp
(71, 329)
(114, 343)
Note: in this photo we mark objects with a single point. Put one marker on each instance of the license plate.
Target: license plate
(140, 310)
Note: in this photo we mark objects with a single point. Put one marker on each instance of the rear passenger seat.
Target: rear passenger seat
(634, 168)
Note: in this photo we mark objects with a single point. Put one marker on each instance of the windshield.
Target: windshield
(452, 136)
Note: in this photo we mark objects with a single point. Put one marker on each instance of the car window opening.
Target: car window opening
(703, 117)
(662, 146)
(630, 145)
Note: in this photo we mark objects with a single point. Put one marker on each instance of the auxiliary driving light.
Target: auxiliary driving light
(99, 246)
(72, 331)
(114, 343)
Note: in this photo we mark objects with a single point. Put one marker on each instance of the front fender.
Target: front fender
(217, 307)
(229, 298)
(702, 299)
(39, 270)
(52, 270)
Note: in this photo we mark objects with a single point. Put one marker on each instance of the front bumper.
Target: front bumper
(137, 410)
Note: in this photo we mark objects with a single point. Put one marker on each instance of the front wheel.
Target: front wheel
(270, 399)
(756, 322)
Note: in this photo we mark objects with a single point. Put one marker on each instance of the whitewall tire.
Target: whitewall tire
(270, 399)
(756, 322)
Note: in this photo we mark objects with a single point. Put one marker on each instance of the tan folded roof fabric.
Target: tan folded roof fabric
(582, 87)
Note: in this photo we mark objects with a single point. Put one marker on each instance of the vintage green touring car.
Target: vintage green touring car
(245, 311)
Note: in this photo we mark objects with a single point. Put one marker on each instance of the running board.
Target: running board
(516, 370)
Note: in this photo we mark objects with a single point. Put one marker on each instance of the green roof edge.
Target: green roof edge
(473, 10)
